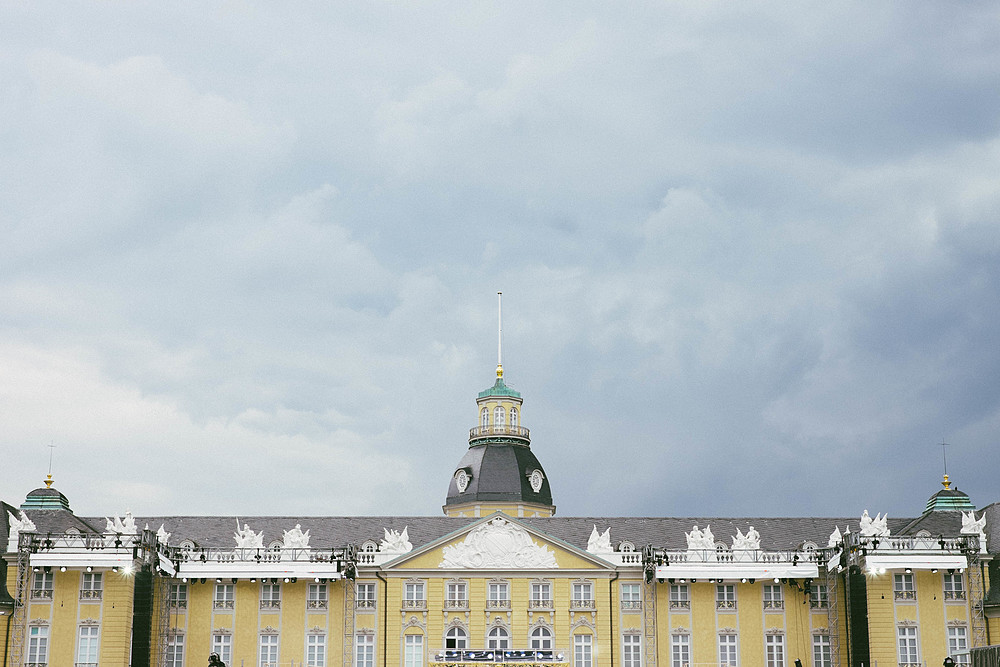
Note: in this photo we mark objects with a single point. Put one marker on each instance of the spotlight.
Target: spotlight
(274, 580)
(694, 581)
(218, 580)
(184, 579)
(286, 580)
(316, 580)
(90, 569)
(777, 580)
(684, 581)
(660, 581)
(47, 568)
(294, 579)
(36, 569)
(62, 569)
(253, 580)
(752, 580)
(671, 580)
(114, 569)
(934, 570)
(234, 580)
(908, 571)
(743, 580)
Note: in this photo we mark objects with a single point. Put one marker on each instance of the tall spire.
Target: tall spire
(499, 334)
(944, 452)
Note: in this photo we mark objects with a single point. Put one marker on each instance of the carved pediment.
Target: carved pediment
(498, 543)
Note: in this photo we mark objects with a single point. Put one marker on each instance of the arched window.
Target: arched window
(498, 638)
(484, 417)
(456, 638)
(541, 638)
(499, 417)
(513, 417)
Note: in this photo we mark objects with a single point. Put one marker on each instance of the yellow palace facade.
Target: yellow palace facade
(498, 579)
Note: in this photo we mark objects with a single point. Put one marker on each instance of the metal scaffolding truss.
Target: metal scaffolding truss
(833, 615)
(19, 621)
(977, 594)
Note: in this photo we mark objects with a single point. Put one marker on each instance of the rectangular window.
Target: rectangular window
(364, 651)
(680, 650)
(819, 597)
(821, 651)
(223, 645)
(774, 650)
(631, 596)
(178, 596)
(631, 651)
(413, 595)
(902, 587)
(954, 587)
(772, 596)
(316, 651)
(679, 596)
(498, 595)
(541, 595)
(268, 651)
(728, 652)
(456, 595)
(907, 640)
(364, 597)
(583, 596)
(316, 596)
(175, 651)
(86, 647)
(225, 596)
(583, 651)
(91, 585)
(958, 645)
(725, 596)
(413, 651)
(38, 645)
(270, 596)
(41, 587)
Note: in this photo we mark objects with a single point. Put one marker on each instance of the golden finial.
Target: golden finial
(944, 453)
(48, 481)
(48, 478)
(946, 484)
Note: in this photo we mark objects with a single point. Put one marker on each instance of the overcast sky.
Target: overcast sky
(250, 252)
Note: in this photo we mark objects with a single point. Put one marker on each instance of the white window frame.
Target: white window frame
(631, 596)
(223, 645)
(499, 417)
(903, 586)
(631, 650)
(270, 596)
(175, 651)
(680, 596)
(819, 597)
(413, 592)
(38, 644)
(953, 584)
(725, 596)
(513, 417)
(540, 639)
(456, 638)
(583, 651)
(498, 638)
(364, 650)
(91, 586)
(774, 650)
(224, 596)
(413, 651)
(773, 598)
(822, 652)
(178, 596)
(315, 650)
(729, 650)
(484, 417)
(364, 595)
(908, 645)
(269, 645)
(680, 650)
(88, 646)
(42, 585)
(317, 596)
(958, 644)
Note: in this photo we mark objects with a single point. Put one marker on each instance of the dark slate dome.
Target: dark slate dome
(46, 498)
(499, 472)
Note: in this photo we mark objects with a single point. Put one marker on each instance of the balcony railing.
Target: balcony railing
(818, 604)
(90, 594)
(364, 604)
(905, 595)
(485, 431)
(456, 604)
(498, 604)
(954, 595)
(725, 604)
(680, 604)
(631, 605)
(582, 604)
(178, 604)
(270, 604)
(316, 604)
(41, 594)
(223, 604)
(414, 604)
(459, 656)
(774, 604)
(539, 604)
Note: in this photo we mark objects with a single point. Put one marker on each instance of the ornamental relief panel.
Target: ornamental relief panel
(498, 544)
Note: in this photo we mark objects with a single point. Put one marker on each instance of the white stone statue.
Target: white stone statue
(972, 526)
(876, 527)
(395, 543)
(835, 537)
(748, 542)
(498, 544)
(694, 539)
(18, 526)
(295, 538)
(120, 526)
(600, 543)
(162, 535)
(247, 539)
